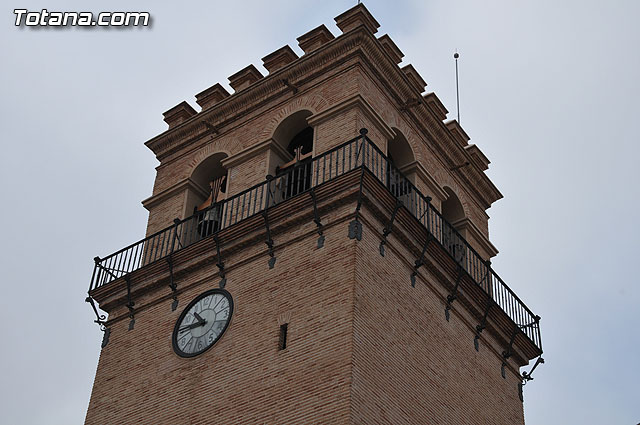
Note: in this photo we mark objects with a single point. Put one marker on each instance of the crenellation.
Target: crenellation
(479, 158)
(391, 48)
(279, 58)
(314, 39)
(179, 114)
(355, 17)
(435, 105)
(244, 78)
(458, 133)
(211, 96)
(414, 77)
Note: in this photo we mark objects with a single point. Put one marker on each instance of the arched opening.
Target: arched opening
(296, 136)
(452, 209)
(453, 213)
(400, 155)
(211, 177)
(294, 131)
(399, 151)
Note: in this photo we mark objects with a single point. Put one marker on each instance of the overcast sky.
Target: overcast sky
(549, 92)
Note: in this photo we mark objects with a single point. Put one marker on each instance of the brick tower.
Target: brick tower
(317, 251)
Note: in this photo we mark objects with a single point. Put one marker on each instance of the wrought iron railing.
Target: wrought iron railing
(359, 152)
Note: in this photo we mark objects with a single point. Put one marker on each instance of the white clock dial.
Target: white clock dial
(202, 323)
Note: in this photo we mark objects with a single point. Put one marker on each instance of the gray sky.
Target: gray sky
(549, 92)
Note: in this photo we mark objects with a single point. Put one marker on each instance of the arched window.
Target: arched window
(296, 136)
(400, 155)
(211, 177)
(453, 213)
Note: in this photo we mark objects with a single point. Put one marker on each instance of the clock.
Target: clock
(202, 323)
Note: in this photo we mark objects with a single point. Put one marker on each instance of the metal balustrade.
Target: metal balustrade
(359, 152)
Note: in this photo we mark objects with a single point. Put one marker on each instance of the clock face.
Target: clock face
(202, 323)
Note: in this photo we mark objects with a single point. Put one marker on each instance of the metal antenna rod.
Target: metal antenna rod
(456, 56)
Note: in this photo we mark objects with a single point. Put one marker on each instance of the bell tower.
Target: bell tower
(317, 251)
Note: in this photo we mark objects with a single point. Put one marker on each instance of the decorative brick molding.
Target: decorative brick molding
(390, 47)
(279, 58)
(435, 105)
(244, 78)
(315, 38)
(355, 17)
(416, 80)
(179, 114)
(458, 133)
(211, 96)
(479, 158)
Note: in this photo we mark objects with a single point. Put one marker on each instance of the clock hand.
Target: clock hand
(192, 326)
(200, 319)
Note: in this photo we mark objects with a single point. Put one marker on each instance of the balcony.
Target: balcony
(486, 294)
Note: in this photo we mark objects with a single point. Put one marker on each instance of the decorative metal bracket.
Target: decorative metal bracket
(355, 226)
(454, 293)
(269, 241)
(316, 218)
(130, 303)
(410, 104)
(101, 321)
(506, 354)
(172, 284)
(220, 263)
(389, 227)
(293, 87)
(420, 261)
(526, 377)
(210, 127)
(482, 325)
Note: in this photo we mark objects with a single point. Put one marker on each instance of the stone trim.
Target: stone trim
(254, 150)
(434, 188)
(187, 183)
(179, 114)
(475, 233)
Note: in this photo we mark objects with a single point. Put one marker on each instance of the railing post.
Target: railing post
(428, 200)
(363, 138)
(95, 279)
(176, 222)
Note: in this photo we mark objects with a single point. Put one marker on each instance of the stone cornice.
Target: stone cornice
(172, 191)
(476, 234)
(356, 101)
(359, 41)
(254, 150)
(479, 157)
(423, 174)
